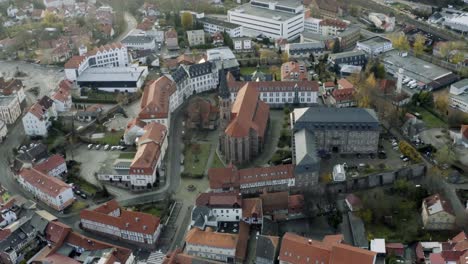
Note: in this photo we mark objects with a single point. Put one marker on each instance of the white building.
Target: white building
(58, 3)
(111, 55)
(304, 50)
(382, 21)
(213, 25)
(312, 24)
(242, 44)
(121, 79)
(55, 166)
(38, 119)
(62, 97)
(339, 172)
(3, 130)
(112, 220)
(459, 95)
(458, 23)
(154, 104)
(375, 45)
(274, 20)
(192, 79)
(50, 190)
(212, 208)
(325, 27)
(10, 109)
(139, 42)
(196, 37)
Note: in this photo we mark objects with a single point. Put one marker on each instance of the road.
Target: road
(131, 25)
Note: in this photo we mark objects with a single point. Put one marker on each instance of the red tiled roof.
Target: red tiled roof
(342, 253)
(211, 239)
(290, 69)
(149, 148)
(155, 100)
(463, 258)
(334, 22)
(333, 239)
(108, 47)
(328, 84)
(436, 258)
(242, 241)
(272, 202)
(47, 184)
(56, 232)
(212, 199)
(345, 84)
(108, 207)
(223, 177)
(433, 199)
(49, 164)
(460, 237)
(74, 62)
(127, 220)
(387, 86)
(252, 207)
(62, 94)
(464, 131)
(346, 94)
(248, 113)
(171, 33)
(295, 203)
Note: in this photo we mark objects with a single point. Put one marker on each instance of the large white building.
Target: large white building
(50, 190)
(10, 109)
(458, 23)
(272, 19)
(192, 79)
(459, 95)
(111, 55)
(139, 42)
(375, 45)
(38, 119)
(213, 25)
(130, 226)
(121, 79)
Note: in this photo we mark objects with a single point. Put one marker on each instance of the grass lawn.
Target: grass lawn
(111, 138)
(84, 185)
(153, 211)
(127, 155)
(217, 163)
(194, 166)
(429, 119)
(5, 196)
(76, 207)
(250, 70)
(404, 231)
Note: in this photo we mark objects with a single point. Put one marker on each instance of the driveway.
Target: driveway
(131, 25)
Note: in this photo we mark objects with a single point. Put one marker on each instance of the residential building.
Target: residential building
(343, 98)
(171, 39)
(458, 23)
(327, 8)
(111, 55)
(54, 165)
(355, 57)
(213, 25)
(325, 27)
(135, 129)
(218, 39)
(427, 75)
(154, 104)
(196, 37)
(349, 37)
(12, 87)
(375, 45)
(139, 42)
(305, 160)
(116, 222)
(62, 97)
(293, 71)
(192, 79)
(280, 206)
(10, 109)
(211, 245)
(459, 95)
(451, 251)
(63, 245)
(247, 122)
(270, 19)
(90, 113)
(278, 94)
(48, 189)
(32, 154)
(382, 21)
(212, 208)
(267, 249)
(242, 44)
(312, 24)
(3, 131)
(38, 119)
(304, 50)
(437, 213)
(252, 180)
(114, 79)
(296, 249)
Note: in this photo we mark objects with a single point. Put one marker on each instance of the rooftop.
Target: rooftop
(129, 74)
(131, 39)
(249, 9)
(375, 42)
(211, 239)
(218, 22)
(6, 100)
(45, 183)
(345, 54)
(335, 115)
(49, 164)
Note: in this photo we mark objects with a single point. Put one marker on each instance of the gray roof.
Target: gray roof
(375, 42)
(39, 223)
(122, 74)
(6, 100)
(269, 227)
(358, 231)
(305, 151)
(198, 216)
(218, 22)
(35, 153)
(266, 249)
(131, 39)
(200, 69)
(324, 115)
(249, 9)
(347, 54)
(306, 46)
(179, 75)
(310, 36)
(460, 84)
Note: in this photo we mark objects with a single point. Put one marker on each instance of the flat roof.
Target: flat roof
(414, 67)
(460, 84)
(264, 12)
(315, 36)
(378, 245)
(218, 22)
(375, 41)
(287, 3)
(461, 97)
(111, 74)
(137, 39)
(347, 54)
(6, 100)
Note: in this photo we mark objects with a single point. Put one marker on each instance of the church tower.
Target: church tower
(224, 97)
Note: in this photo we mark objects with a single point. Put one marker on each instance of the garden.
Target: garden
(195, 159)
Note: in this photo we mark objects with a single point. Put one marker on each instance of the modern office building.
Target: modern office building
(120, 79)
(213, 25)
(271, 19)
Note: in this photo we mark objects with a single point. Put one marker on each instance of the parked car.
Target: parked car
(97, 147)
(382, 155)
(84, 196)
(405, 159)
(106, 147)
(90, 146)
(114, 148)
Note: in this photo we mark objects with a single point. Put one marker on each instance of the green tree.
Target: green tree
(458, 57)
(187, 20)
(336, 46)
(418, 46)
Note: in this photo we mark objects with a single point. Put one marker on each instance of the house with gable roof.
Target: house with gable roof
(38, 119)
(437, 213)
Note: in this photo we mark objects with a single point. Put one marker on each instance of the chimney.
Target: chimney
(137, 219)
(309, 242)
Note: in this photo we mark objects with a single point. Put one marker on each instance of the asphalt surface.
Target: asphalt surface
(131, 25)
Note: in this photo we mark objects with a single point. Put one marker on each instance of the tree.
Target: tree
(418, 46)
(122, 98)
(441, 103)
(371, 82)
(187, 20)
(400, 41)
(336, 46)
(458, 57)
(354, 10)
(379, 71)
(284, 57)
(228, 40)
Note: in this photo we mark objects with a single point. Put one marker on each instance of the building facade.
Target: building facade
(38, 119)
(196, 37)
(213, 25)
(459, 95)
(375, 45)
(62, 97)
(355, 57)
(211, 245)
(437, 213)
(270, 19)
(10, 109)
(54, 166)
(305, 50)
(139, 42)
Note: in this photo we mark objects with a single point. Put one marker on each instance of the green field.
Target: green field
(84, 185)
(250, 70)
(111, 138)
(431, 120)
(127, 155)
(195, 165)
(217, 163)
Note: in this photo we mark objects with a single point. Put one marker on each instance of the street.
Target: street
(131, 25)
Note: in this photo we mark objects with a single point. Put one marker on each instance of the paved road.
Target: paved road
(131, 25)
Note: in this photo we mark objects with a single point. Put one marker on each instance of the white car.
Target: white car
(411, 83)
(90, 146)
(414, 86)
(106, 147)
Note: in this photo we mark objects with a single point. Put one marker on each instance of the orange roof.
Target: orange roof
(223, 199)
(108, 207)
(49, 164)
(345, 84)
(62, 94)
(464, 131)
(252, 207)
(74, 62)
(333, 239)
(171, 33)
(149, 148)
(127, 220)
(346, 94)
(108, 47)
(342, 253)
(135, 122)
(433, 199)
(155, 100)
(274, 201)
(45, 183)
(211, 239)
(249, 113)
(328, 84)
(293, 71)
(242, 241)
(333, 22)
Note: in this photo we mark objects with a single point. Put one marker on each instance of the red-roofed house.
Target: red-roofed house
(243, 138)
(154, 104)
(50, 190)
(437, 213)
(112, 220)
(62, 97)
(38, 119)
(55, 166)
(172, 42)
(293, 71)
(343, 98)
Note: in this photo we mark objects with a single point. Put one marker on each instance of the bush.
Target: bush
(281, 155)
(409, 151)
